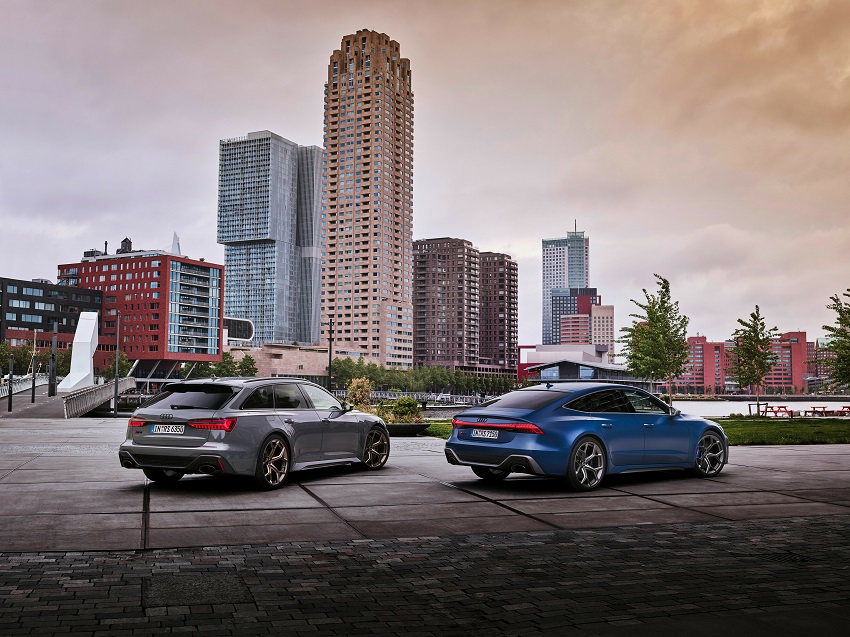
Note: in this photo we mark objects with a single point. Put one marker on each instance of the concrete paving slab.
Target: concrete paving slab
(257, 517)
(581, 505)
(527, 487)
(761, 511)
(839, 495)
(14, 461)
(599, 519)
(221, 494)
(392, 493)
(397, 512)
(83, 539)
(441, 527)
(654, 484)
(357, 475)
(53, 523)
(728, 499)
(44, 499)
(24, 475)
(249, 534)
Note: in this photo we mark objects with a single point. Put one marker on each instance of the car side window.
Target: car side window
(320, 398)
(605, 401)
(288, 397)
(645, 404)
(260, 398)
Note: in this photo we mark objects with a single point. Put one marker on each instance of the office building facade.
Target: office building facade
(566, 264)
(268, 222)
(367, 201)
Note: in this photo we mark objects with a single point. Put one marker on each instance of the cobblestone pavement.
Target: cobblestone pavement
(777, 576)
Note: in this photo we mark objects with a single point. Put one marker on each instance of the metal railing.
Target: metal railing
(82, 401)
(23, 383)
(431, 397)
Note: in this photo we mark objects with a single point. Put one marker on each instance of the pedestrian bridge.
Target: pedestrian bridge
(82, 401)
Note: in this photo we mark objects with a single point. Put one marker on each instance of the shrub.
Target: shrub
(406, 410)
(360, 394)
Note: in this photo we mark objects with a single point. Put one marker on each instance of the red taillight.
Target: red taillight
(221, 424)
(517, 427)
(135, 422)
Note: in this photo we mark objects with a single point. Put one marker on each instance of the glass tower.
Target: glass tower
(566, 264)
(268, 209)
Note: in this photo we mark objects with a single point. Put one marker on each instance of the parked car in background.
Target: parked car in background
(260, 427)
(583, 431)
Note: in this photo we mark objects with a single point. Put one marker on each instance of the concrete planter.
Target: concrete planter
(406, 428)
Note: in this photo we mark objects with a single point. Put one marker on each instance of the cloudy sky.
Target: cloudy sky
(706, 141)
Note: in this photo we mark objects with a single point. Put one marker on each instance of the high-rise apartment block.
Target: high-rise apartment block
(566, 264)
(465, 307)
(268, 221)
(499, 318)
(593, 326)
(446, 302)
(367, 201)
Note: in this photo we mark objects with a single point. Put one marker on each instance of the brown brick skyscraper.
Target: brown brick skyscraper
(367, 201)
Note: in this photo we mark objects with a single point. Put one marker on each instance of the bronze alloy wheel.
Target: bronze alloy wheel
(710, 455)
(377, 449)
(273, 466)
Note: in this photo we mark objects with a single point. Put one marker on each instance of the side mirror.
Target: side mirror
(346, 407)
(675, 412)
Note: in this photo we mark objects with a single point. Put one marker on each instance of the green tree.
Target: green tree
(838, 365)
(198, 370)
(752, 357)
(226, 368)
(247, 366)
(360, 393)
(124, 365)
(656, 343)
(63, 361)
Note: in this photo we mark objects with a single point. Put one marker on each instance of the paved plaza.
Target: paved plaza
(421, 547)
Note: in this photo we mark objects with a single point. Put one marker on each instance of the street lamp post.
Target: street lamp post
(330, 325)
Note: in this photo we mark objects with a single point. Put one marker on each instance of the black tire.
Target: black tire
(490, 475)
(376, 451)
(587, 464)
(272, 463)
(710, 455)
(163, 476)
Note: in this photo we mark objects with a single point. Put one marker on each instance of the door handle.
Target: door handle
(288, 421)
(648, 425)
(607, 425)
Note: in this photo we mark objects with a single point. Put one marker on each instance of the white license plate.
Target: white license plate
(484, 433)
(167, 429)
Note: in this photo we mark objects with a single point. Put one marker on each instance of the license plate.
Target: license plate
(167, 429)
(484, 433)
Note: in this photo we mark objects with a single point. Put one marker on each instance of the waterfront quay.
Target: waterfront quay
(421, 547)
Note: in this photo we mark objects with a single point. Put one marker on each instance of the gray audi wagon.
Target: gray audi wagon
(260, 427)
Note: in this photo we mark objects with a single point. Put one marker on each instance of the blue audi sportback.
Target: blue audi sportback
(583, 431)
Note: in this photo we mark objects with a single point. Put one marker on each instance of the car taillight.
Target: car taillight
(135, 422)
(221, 424)
(517, 427)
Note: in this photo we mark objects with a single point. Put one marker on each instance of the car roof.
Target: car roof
(236, 381)
(576, 386)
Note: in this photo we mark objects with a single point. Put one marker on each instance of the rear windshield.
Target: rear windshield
(192, 397)
(531, 399)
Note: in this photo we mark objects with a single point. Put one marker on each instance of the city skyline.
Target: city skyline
(705, 144)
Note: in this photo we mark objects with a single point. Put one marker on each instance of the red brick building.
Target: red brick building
(170, 306)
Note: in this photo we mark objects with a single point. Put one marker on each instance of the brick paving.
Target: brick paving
(599, 581)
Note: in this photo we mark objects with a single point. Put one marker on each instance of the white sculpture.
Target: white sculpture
(85, 345)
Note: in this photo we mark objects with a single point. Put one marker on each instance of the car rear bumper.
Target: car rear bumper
(515, 463)
(159, 458)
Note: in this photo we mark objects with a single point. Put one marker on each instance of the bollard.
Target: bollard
(11, 378)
